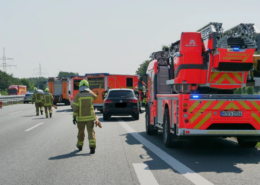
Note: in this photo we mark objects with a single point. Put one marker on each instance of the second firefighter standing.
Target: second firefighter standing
(47, 101)
(37, 98)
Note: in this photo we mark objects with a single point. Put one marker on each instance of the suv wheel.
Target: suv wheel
(105, 116)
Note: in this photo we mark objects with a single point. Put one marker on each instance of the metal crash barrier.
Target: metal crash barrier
(8, 100)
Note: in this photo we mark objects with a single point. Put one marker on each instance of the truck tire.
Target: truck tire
(106, 117)
(166, 129)
(150, 130)
(169, 138)
(246, 144)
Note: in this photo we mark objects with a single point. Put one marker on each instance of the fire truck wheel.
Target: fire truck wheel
(166, 129)
(246, 144)
(150, 130)
(106, 116)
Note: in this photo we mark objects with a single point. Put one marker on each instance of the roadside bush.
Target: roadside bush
(249, 90)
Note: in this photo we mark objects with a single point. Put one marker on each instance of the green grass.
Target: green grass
(3, 92)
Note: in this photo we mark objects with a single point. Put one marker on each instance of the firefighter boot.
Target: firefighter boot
(41, 112)
(46, 115)
(50, 115)
(79, 147)
(92, 150)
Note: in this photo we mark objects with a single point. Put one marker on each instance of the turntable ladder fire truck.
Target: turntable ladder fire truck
(191, 84)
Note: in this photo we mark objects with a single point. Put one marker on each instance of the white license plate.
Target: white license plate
(231, 113)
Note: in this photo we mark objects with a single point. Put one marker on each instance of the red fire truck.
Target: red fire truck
(17, 90)
(59, 89)
(99, 82)
(191, 86)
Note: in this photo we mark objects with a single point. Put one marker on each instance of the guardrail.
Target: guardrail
(11, 99)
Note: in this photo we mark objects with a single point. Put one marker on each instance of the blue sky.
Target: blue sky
(104, 36)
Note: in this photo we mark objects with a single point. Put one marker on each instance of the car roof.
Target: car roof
(121, 89)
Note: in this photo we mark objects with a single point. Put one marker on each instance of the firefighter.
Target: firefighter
(47, 102)
(84, 112)
(104, 94)
(37, 98)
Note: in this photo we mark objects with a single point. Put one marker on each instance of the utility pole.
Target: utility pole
(4, 61)
(39, 74)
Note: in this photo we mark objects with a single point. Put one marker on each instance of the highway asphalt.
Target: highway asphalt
(36, 150)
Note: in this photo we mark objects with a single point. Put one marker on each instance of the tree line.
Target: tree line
(7, 80)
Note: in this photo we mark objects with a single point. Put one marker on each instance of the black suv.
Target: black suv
(121, 102)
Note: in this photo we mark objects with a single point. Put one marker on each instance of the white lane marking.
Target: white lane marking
(15, 112)
(174, 163)
(144, 174)
(33, 127)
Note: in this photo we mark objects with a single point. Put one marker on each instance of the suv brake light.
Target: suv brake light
(133, 101)
(108, 101)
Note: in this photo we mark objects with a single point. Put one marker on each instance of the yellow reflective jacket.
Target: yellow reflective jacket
(37, 97)
(47, 99)
(83, 106)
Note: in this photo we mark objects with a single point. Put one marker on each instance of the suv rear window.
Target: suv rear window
(121, 94)
(28, 95)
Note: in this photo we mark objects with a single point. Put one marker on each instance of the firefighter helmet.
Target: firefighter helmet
(47, 90)
(35, 88)
(83, 82)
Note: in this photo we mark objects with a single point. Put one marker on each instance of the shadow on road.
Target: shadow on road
(29, 116)
(116, 119)
(200, 154)
(69, 155)
(64, 110)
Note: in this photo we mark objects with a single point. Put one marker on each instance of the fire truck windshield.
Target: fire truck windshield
(12, 91)
(76, 84)
(96, 83)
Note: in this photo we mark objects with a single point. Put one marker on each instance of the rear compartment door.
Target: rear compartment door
(57, 88)
(97, 85)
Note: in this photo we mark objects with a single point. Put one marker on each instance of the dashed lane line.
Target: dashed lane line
(171, 161)
(144, 174)
(33, 127)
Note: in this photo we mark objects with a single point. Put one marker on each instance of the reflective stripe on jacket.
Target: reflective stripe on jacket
(47, 99)
(83, 106)
(37, 97)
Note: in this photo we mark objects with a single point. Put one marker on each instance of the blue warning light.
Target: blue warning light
(236, 49)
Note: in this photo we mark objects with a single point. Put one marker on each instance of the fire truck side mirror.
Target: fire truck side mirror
(69, 92)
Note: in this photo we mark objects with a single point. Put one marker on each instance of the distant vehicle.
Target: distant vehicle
(28, 97)
(17, 90)
(99, 82)
(121, 102)
(59, 88)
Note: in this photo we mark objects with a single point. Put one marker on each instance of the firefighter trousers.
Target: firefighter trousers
(38, 106)
(91, 133)
(46, 108)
